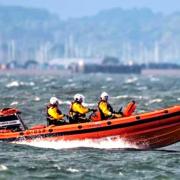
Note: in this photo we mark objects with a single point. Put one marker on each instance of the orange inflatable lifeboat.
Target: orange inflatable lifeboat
(147, 130)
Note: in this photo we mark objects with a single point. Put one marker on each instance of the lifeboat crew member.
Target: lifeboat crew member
(54, 115)
(78, 111)
(106, 110)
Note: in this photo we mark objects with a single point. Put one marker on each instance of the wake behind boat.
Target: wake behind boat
(147, 130)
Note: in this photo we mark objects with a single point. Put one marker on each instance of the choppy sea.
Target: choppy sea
(103, 159)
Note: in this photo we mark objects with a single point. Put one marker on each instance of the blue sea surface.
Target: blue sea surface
(104, 159)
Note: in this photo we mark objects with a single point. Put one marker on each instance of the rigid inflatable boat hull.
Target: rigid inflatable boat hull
(148, 130)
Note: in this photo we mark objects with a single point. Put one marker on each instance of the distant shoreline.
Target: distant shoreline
(35, 72)
(161, 72)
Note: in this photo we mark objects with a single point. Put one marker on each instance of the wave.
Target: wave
(129, 97)
(37, 98)
(72, 170)
(103, 143)
(109, 79)
(14, 103)
(155, 101)
(3, 167)
(69, 103)
(17, 84)
(131, 80)
(154, 79)
(13, 84)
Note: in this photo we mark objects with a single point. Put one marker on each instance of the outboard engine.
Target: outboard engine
(10, 120)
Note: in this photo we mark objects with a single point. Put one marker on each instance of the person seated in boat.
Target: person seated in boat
(105, 109)
(54, 114)
(77, 110)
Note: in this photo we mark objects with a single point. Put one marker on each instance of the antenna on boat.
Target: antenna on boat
(24, 127)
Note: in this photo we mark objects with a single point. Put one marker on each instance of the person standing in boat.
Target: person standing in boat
(77, 110)
(105, 109)
(54, 114)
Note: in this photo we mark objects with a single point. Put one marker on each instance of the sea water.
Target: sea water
(88, 159)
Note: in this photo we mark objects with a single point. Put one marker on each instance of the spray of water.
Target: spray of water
(103, 143)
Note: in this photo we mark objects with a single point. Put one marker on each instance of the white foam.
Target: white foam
(37, 98)
(13, 84)
(120, 97)
(3, 167)
(72, 170)
(14, 103)
(109, 79)
(103, 143)
(155, 101)
(131, 80)
(69, 103)
(89, 104)
(154, 79)
(17, 84)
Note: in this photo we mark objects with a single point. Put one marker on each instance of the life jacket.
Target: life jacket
(52, 106)
(109, 107)
(74, 113)
(129, 109)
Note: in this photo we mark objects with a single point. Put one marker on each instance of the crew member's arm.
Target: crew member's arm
(104, 108)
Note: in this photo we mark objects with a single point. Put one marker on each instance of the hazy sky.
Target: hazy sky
(78, 8)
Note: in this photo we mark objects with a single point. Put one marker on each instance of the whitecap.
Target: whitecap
(37, 98)
(27, 83)
(103, 87)
(13, 84)
(120, 97)
(14, 103)
(109, 79)
(17, 84)
(155, 101)
(73, 170)
(131, 80)
(141, 88)
(3, 167)
(64, 102)
(178, 99)
(154, 79)
(69, 85)
(89, 104)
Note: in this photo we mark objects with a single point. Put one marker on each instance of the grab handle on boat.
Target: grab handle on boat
(80, 127)
(50, 130)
